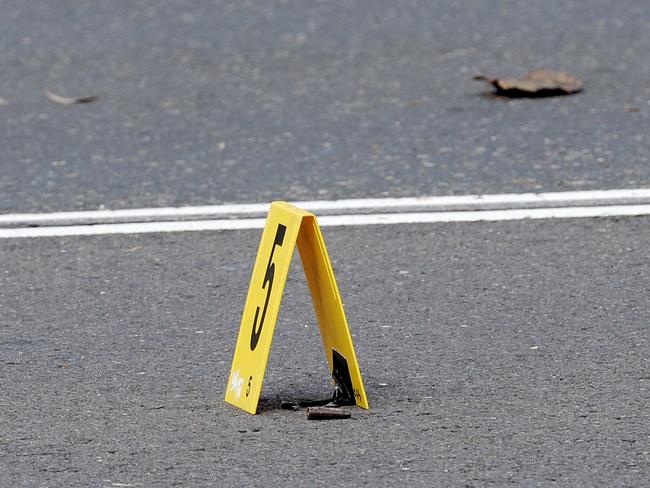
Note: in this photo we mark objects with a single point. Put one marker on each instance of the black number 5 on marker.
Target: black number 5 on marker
(268, 280)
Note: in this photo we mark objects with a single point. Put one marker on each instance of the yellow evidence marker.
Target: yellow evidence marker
(285, 227)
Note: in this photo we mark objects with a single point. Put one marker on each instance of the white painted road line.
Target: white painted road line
(332, 220)
(420, 204)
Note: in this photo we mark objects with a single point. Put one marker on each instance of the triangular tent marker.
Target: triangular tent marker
(287, 226)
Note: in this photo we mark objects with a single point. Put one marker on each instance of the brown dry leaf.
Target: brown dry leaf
(537, 83)
(69, 100)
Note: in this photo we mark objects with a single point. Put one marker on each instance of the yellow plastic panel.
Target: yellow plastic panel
(327, 303)
(262, 305)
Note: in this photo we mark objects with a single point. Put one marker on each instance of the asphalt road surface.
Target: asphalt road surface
(493, 354)
(210, 102)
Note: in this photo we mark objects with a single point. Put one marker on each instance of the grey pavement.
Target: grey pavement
(208, 102)
(492, 354)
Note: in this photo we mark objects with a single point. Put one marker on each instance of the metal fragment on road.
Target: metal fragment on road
(326, 413)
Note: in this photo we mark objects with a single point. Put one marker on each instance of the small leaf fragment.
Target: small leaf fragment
(537, 83)
(69, 100)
